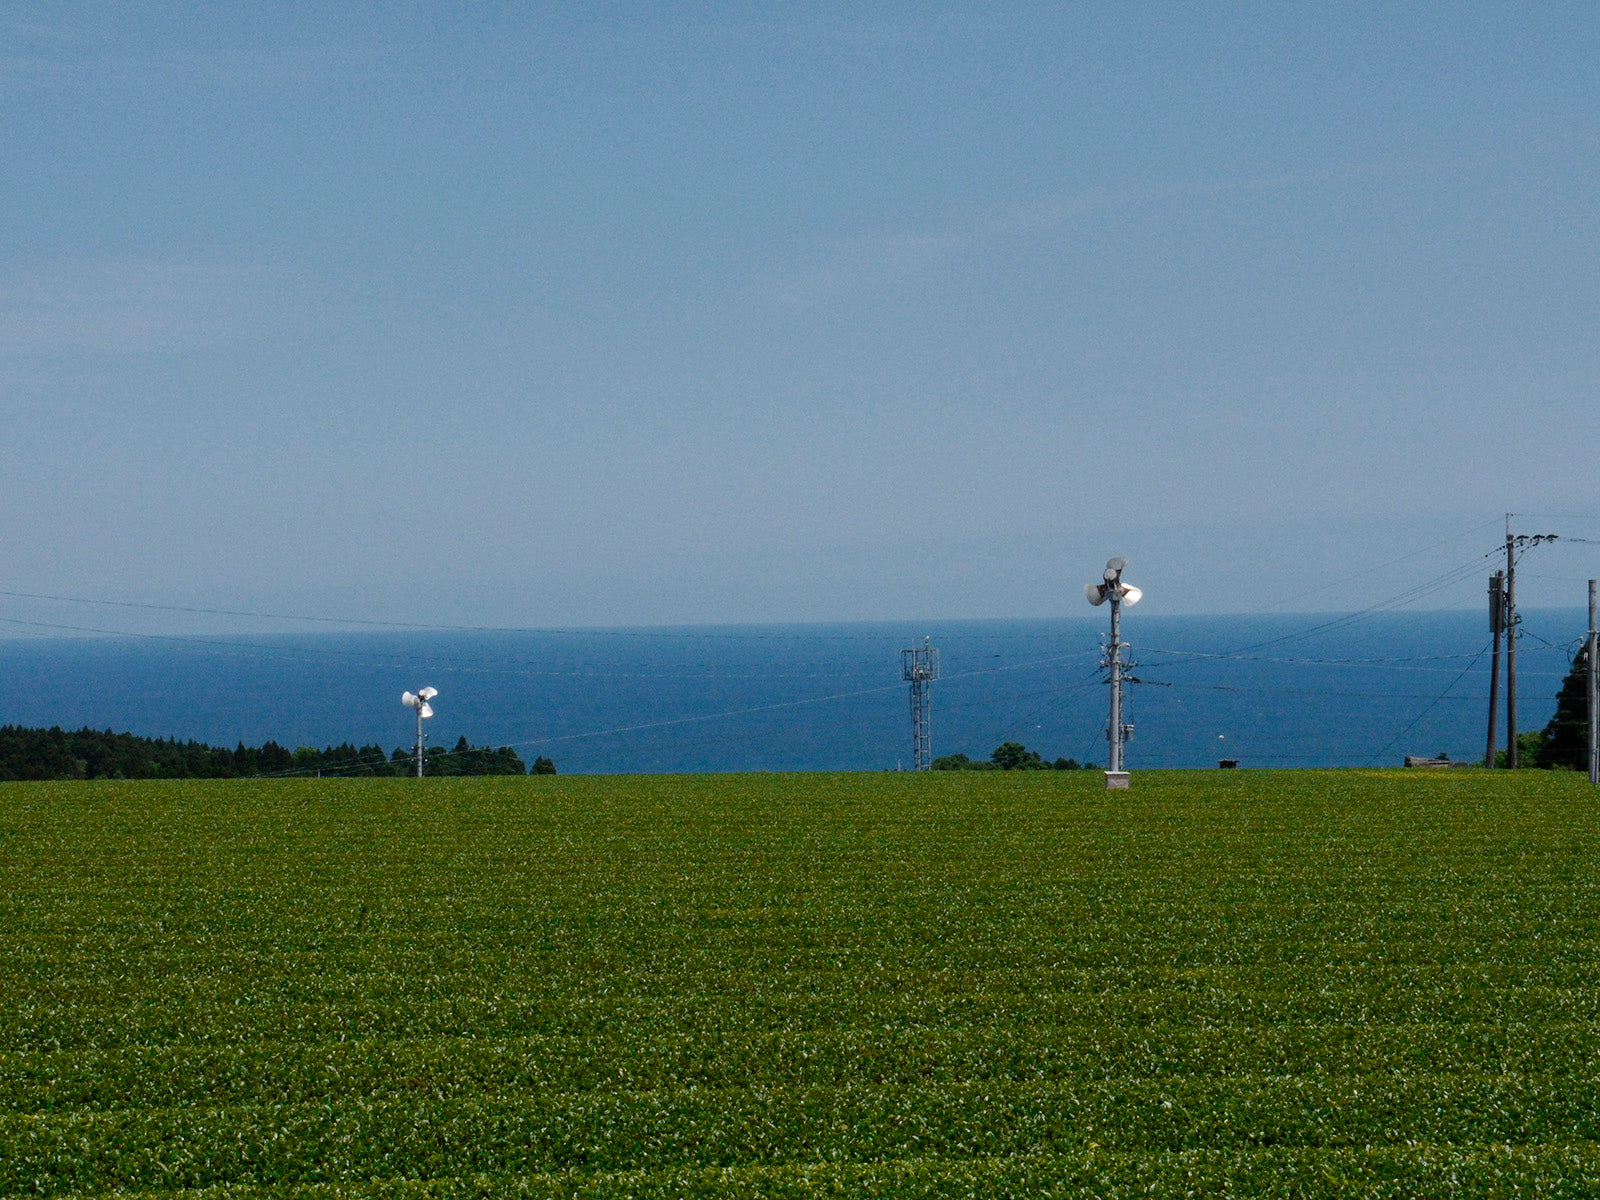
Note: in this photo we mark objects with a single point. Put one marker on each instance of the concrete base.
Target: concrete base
(1117, 779)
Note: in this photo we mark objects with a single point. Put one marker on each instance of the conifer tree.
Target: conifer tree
(1566, 738)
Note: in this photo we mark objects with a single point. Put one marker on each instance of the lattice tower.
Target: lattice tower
(919, 666)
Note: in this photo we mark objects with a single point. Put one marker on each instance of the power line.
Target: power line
(1410, 595)
(1320, 662)
(498, 665)
(1309, 693)
(1384, 566)
(1429, 708)
(754, 633)
(879, 633)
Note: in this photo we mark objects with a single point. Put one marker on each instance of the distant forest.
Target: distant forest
(40, 754)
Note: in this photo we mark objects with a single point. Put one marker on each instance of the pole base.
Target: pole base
(1117, 779)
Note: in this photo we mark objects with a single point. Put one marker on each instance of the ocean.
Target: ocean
(1307, 690)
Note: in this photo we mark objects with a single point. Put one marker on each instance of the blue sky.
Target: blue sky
(561, 315)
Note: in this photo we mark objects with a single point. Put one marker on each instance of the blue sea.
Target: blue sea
(1307, 690)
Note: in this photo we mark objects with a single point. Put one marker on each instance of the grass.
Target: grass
(1250, 983)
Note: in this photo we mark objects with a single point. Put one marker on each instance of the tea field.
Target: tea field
(954, 984)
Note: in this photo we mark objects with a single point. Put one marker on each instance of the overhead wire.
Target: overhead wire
(1384, 566)
(739, 712)
(1055, 697)
(796, 631)
(1387, 746)
(1392, 661)
(500, 665)
(1408, 596)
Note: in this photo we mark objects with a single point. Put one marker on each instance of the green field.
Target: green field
(989, 984)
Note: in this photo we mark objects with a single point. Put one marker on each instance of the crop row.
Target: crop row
(1421, 1172)
(48, 1027)
(450, 1068)
(419, 1137)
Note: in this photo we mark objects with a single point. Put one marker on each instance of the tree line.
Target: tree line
(1008, 756)
(54, 753)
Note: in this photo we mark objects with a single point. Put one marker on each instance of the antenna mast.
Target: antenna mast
(919, 666)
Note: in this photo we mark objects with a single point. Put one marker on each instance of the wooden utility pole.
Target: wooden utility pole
(1594, 699)
(1514, 543)
(1497, 625)
(1511, 648)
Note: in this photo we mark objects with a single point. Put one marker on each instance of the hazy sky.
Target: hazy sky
(550, 315)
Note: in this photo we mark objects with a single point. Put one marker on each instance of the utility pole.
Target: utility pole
(419, 701)
(1497, 625)
(1594, 706)
(1114, 728)
(1119, 593)
(1514, 543)
(1511, 649)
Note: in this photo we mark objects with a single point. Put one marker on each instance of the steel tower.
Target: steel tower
(919, 666)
